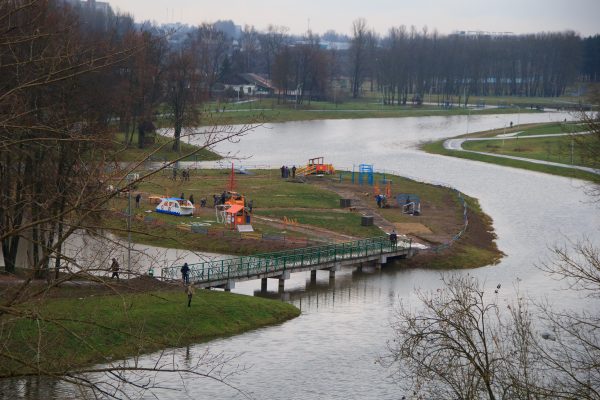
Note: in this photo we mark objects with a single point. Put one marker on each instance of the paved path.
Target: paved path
(456, 145)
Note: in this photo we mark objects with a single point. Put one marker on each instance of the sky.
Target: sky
(516, 16)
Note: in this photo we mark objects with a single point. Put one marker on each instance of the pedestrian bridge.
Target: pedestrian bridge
(224, 273)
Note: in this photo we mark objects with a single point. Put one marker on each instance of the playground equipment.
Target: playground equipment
(316, 166)
(175, 206)
(409, 203)
(365, 174)
(233, 211)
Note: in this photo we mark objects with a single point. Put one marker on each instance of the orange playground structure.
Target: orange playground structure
(234, 211)
(316, 166)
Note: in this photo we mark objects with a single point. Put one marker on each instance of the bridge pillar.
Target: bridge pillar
(332, 270)
(382, 260)
(263, 285)
(282, 278)
(229, 285)
(313, 276)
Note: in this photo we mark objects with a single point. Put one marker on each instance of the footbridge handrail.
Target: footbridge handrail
(287, 260)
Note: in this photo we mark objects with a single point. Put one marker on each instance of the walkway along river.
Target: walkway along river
(329, 351)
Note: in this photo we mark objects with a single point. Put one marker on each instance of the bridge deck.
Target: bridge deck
(220, 272)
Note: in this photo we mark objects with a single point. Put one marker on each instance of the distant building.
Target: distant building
(481, 34)
(101, 6)
(250, 84)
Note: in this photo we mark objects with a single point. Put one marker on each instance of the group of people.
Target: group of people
(286, 171)
(185, 174)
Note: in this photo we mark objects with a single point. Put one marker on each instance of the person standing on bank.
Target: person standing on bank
(114, 267)
(185, 273)
(137, 200)
(190, 293)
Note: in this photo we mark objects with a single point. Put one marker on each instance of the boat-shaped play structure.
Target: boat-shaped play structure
(175, 206)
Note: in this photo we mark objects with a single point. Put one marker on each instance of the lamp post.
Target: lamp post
(130, 179)
(468, 115)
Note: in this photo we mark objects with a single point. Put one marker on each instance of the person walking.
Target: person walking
(114, 267)
(190, 293)
(185, 274)
(282, 171)
(138, 197)
(393, 238)
(192, 199)
(293, 171)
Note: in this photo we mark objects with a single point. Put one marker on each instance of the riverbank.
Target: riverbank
(521, 141)
(86, 323)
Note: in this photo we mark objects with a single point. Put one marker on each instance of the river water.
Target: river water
(330, 351)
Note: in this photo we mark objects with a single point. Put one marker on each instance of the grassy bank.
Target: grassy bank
(438, 148)
(561, 149)
(95, 329)
(313, 206)
(161, 150)
(476, 248)
(268, 110)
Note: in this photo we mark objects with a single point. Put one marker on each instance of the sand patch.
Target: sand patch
(411, 227)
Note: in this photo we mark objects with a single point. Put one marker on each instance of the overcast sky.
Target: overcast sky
(517, 16)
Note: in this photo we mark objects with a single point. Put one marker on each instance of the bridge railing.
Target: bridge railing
(281, 261)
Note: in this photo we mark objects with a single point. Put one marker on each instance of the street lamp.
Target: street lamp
(468, 115)
(130, 178)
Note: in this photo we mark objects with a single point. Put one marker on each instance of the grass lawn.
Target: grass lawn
(438, 148)
(339, 221)
(554, 149)
(315, 203)
(267, 110)
(95, 329)
(159, 151)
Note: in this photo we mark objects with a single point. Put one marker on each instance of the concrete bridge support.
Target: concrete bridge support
(332, 270)
(263, 284)
(229, 285)
(282, 279)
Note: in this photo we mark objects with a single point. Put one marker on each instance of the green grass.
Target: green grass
(267, 110)
(307, 203)
(160, 151)
(553, 149)
(438, 148)
(345, 222)
(549, 129)
(83, 331)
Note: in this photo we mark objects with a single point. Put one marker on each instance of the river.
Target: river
(329, 352)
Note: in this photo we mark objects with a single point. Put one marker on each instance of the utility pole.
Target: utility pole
(129, 180)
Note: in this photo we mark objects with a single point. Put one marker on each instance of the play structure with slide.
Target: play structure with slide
(316, 166)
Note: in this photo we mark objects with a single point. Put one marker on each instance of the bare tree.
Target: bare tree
(184, 92)
(448, 349)
(55, 153)
(358, 55)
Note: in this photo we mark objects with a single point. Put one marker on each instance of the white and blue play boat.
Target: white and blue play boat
(175, 206)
